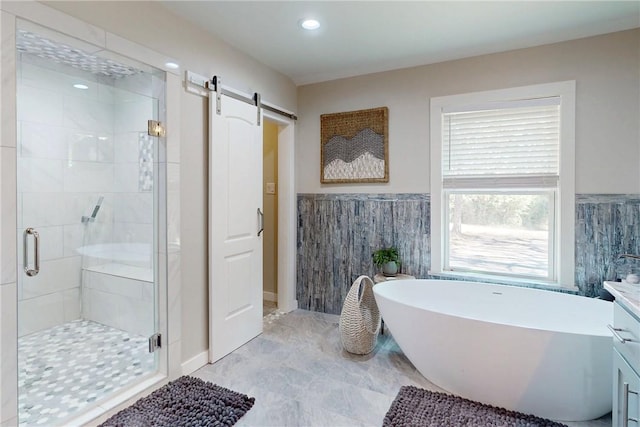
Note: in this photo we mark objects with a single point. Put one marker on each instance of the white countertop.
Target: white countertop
(627, 294)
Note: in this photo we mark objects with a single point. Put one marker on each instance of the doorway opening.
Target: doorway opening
(270, 206)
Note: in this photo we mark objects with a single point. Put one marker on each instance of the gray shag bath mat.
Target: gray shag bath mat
(187, 401)
(417, 407)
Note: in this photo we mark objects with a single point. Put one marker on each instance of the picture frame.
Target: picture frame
(354, 146)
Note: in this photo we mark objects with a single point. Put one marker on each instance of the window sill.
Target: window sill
(499, 280)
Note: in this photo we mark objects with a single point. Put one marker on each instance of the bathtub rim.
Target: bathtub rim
(601, 332)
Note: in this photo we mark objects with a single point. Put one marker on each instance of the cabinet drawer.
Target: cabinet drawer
(628, 328)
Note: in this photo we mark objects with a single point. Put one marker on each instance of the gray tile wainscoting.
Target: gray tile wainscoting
(607, 225)
(338, 232)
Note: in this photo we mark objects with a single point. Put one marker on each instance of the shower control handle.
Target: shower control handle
(36, 252)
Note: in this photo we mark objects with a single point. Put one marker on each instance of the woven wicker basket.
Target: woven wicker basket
(360, 318)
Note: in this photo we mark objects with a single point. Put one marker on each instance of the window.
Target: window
(502, 183)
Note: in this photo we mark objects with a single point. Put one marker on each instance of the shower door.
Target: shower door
(87, 220)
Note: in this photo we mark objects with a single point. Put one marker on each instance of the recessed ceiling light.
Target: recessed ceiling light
(310, 24)
(81, 86)
(171, 65)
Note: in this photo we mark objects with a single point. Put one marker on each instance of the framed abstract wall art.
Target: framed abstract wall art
(354, 146)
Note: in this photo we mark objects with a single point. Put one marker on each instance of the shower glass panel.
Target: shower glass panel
(88, 196)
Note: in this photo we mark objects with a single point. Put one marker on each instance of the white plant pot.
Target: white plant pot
(390, 268)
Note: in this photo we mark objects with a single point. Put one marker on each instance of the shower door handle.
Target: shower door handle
(36, 252)
(261, 216)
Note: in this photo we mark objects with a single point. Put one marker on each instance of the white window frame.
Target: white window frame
(565, 204)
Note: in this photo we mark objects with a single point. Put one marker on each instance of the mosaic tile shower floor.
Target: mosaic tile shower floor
(65, 368)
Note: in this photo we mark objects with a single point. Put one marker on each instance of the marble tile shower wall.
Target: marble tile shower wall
(133, 169)
(65, 150)
(72, 150)
(338, 232)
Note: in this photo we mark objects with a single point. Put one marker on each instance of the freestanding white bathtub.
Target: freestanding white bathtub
(529, 350)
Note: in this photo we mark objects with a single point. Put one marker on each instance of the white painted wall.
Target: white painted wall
(607, 73)
(151, 25)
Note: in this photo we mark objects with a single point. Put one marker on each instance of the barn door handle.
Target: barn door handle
(36, 252)
(261, 218)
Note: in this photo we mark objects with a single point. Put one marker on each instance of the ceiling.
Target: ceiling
(362, 37)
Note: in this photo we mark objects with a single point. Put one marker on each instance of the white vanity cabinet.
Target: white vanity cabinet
(626, 403)
(626, 364)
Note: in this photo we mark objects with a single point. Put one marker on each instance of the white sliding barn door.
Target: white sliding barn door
(235, 206)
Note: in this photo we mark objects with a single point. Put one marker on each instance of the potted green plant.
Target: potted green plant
(387, 259)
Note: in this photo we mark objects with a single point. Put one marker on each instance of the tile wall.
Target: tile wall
(338, 232)
(120, 296)
(134, 155)
(65, 162)
(75, 146)
(606, 226)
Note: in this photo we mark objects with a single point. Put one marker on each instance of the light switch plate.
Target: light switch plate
(271, 188)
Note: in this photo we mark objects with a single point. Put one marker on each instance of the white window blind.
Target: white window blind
(509, 145)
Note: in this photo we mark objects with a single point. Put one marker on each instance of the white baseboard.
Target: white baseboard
(195, 363)
(288, 307)
(270, 296)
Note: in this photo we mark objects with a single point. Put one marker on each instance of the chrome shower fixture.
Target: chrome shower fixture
(92, 218)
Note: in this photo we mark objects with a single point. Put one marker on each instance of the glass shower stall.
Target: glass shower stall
(88, 209)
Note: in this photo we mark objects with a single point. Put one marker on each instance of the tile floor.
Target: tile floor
(268, 307)
(300, 376)
(65, 368)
